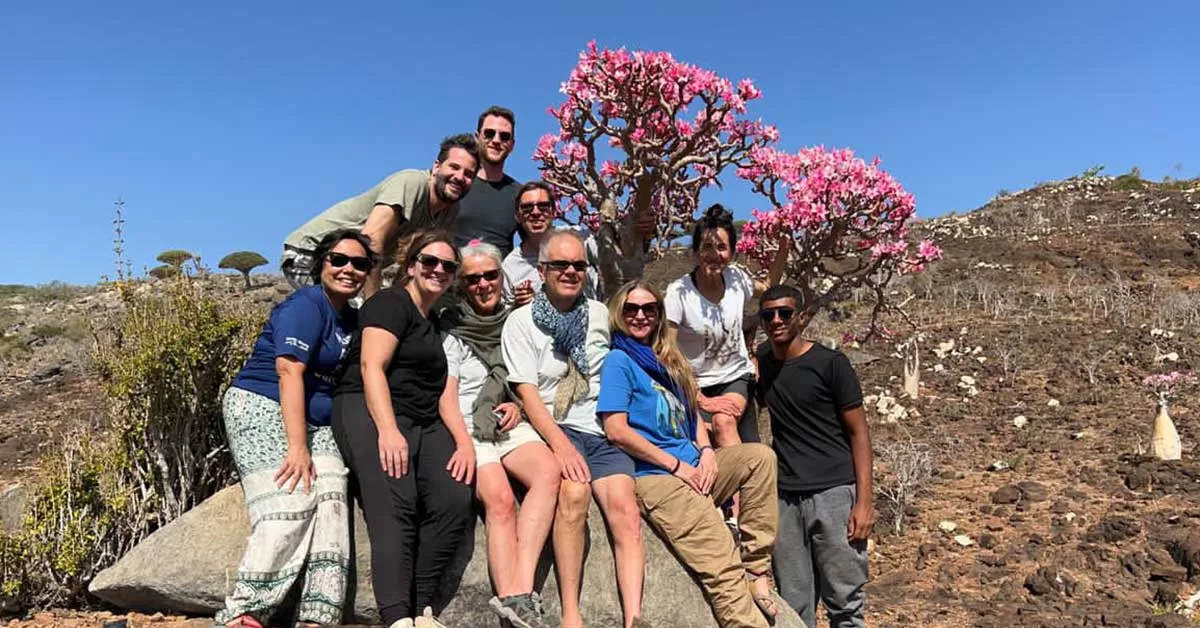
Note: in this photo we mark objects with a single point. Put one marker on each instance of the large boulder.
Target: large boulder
(188, 566)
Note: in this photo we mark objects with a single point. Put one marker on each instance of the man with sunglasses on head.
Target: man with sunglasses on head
(823, 446)
(398, 206)
(486, 213)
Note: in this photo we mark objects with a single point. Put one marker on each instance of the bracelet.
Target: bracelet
(708, 447)
(677, 463)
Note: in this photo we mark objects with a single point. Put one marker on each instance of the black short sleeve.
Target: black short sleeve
(386, 311)
(846, 389)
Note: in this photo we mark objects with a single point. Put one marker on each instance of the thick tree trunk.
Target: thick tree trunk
(621, 255)
(1164, 443)
(246, 276)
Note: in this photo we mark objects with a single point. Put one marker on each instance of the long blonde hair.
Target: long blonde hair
(662, 341)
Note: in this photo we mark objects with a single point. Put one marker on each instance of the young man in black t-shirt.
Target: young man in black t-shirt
(823, 446)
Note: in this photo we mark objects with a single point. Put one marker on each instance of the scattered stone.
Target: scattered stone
(999, 465)
(1060, 507)
(1044, 581)
(12, 508)
(48, 373)
(1168, 573)
(1053, 403)
(1113, 529)
(1033, 492)
(1006, 495)
(964, 540)
(947, 526)
(1138, 478)
(1020, 421)
(987, 541)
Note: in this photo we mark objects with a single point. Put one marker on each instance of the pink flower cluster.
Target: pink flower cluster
(673, 121)
(1166, 385)
(831, 201)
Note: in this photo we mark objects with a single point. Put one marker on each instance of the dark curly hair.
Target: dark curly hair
(331, 240)
(715, 217)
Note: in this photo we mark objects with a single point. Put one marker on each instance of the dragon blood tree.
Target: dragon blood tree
(640, 136)
(845, 220)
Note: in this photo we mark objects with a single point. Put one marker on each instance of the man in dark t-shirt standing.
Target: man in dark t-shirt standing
(488, 212)
(824, 450)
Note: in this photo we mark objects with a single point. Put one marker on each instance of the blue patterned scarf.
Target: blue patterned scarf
(643, 355)
(569, 329)
(569, 332)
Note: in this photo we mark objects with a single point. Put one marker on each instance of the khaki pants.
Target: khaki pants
(696, 531)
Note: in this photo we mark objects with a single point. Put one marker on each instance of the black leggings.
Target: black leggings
(416, 522)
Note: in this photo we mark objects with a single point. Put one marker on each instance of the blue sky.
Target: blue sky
(224, 125)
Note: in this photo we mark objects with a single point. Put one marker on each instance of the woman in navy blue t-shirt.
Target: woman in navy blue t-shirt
(277, 418)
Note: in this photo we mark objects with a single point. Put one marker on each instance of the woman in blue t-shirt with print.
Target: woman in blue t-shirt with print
(277, 418)
(648, 406)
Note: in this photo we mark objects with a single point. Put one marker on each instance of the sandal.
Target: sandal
(765, 602)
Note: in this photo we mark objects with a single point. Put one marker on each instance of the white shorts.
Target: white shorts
(488, 453)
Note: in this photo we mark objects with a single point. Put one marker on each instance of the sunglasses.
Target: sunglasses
(473, 278)
(542, 206)
(488, 134)
(784, 314)
(337, 260)
(630, 310)
(561, 265)
(430, 262)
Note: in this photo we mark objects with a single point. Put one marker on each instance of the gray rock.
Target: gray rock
(1006, 495)
(12, 508)
(189, 565)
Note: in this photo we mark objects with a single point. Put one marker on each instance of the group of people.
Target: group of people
(488, 371)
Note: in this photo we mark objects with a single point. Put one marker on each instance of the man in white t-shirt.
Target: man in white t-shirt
(553, 349)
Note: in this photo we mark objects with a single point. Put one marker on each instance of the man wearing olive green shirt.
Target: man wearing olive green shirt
(400, 204)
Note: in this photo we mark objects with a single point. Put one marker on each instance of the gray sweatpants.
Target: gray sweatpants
(813, 556)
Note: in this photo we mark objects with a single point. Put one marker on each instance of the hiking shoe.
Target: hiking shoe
(522, 611)
(427, 620)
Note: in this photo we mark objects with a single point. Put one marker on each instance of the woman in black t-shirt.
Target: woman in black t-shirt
(386, 423)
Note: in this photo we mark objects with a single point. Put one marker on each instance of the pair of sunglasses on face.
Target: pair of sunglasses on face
(487, 275)
(561, 265)
(431, 262)
(489, 134)
(784, 313)
(543, 206)
(650, 310)
(338, 260)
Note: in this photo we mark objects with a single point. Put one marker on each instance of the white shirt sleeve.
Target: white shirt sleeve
(516, 344)
(454, 355)
(673, 302)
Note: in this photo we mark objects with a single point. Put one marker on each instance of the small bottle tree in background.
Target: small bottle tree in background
(243, 262)
(1164, 441)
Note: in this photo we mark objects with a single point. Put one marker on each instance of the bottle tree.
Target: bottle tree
(640, 135)
(845, 220)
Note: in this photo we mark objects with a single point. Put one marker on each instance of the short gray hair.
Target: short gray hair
(554, 234)
(482, 249)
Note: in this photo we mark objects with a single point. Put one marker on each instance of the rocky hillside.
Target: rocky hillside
(1014, 491)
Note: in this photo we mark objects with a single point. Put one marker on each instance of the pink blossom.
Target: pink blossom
(649, 104)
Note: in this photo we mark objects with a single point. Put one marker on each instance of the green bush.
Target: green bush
(162, 367)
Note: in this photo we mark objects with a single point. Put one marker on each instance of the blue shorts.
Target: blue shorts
(603, 458)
